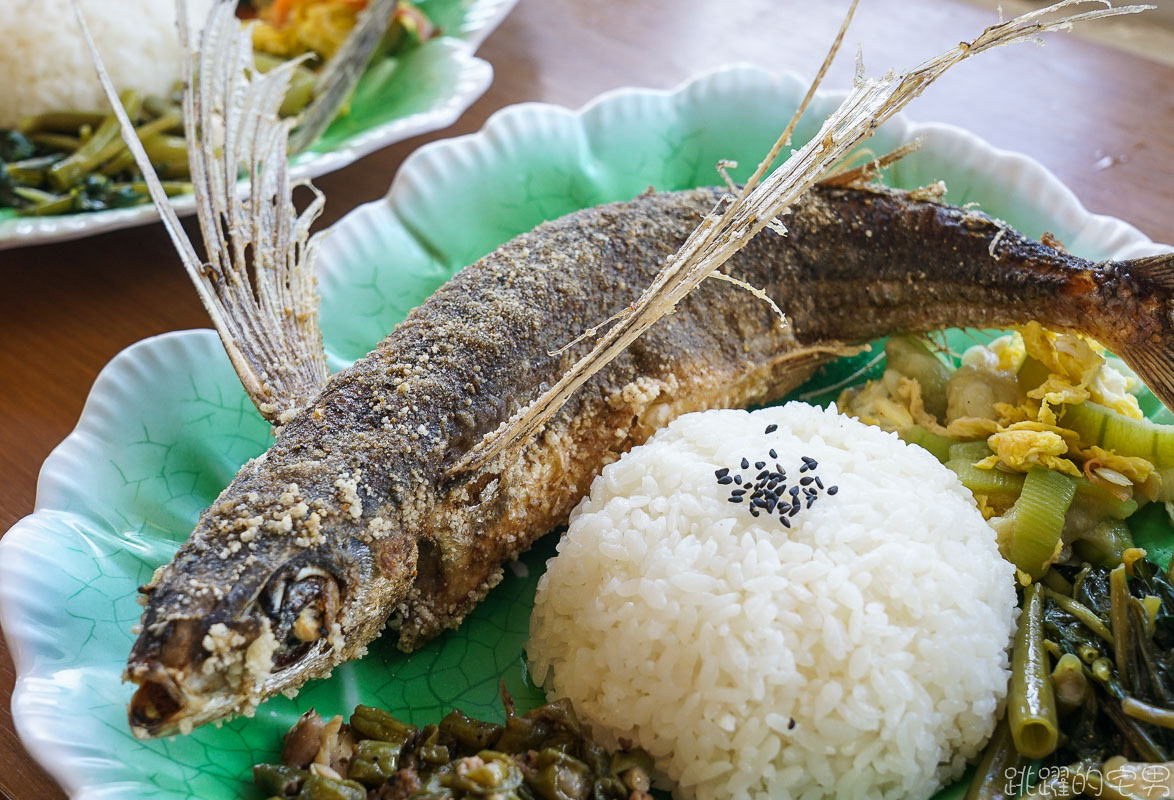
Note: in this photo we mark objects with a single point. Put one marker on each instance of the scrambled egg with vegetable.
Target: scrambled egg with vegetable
(1042, 428)
(290, 28)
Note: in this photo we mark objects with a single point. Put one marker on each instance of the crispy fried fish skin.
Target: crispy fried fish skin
(348, 522)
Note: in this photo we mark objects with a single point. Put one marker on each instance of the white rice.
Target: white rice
(45, 64)
(879, 623)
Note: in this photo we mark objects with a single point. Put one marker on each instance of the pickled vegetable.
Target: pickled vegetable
(544, 753)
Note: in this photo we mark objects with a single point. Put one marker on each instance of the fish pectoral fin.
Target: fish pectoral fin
(1158, 269)
(1155, 367)
(1150, 352)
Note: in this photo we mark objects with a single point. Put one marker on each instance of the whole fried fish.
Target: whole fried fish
(348, 524)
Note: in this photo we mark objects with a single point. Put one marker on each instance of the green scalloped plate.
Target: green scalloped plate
(422, 89)
(167, 424)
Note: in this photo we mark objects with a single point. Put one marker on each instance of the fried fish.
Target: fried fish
(353, 521)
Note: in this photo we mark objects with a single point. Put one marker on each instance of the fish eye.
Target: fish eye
(302, 604)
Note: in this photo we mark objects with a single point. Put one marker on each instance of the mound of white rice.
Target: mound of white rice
(860, 653)
(45, 64)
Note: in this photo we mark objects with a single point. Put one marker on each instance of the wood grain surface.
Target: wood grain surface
(66, 309)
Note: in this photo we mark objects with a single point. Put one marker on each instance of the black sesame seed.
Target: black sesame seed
(786, 522)
(770, 504)
(818, 482)
(791, 724)
(794, 491)
(735, 492)
(794, 510)
(762, 474)
(738, 479)
(723, 472)
(745, 464)
(771, 428)
(808, 460)
(737, 499)
(773, 454)
(806, 481)
(803, 469)
(759, 464)
(833, 489)
(810, 500)
(725, 481)
(754, 511)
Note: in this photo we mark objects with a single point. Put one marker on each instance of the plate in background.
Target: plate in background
(430, 87)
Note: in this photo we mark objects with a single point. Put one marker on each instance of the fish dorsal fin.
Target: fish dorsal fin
(1157, 269)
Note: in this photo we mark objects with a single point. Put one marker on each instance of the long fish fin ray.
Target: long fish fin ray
(1155, 366)
(258, 284)
(1157, 269)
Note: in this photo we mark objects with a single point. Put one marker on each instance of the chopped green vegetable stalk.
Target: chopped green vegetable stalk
(1147, 712)
(913, 359)
(31, 171)
(374, 761)
(318, 787)
(1082, 613)
(1104, 427)
(986, 481)
(1031, 705)
(56, 141)
(1069, 684)
(168, 154)
(970, 451)
(998, 760)
(1039, 519)
(1100, 502)
(470, 733)
(60, 122)
(939, 446)
(1105, 544)
(1032, 374)
(1118, 616)
(278, 779)
(71, 170)
(375, 723)
(301, 83)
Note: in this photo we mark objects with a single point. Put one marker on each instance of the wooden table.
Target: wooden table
(66, 309)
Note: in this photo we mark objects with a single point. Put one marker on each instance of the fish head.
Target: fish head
(213, 644)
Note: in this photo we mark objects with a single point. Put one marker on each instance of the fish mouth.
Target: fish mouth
(193, 670)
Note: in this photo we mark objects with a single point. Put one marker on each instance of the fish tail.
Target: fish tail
(1147, 321)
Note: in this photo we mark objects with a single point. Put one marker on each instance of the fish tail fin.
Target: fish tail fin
(1150, 348)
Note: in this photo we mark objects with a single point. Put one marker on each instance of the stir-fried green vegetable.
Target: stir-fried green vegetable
(1099, 659)
(544, 754)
